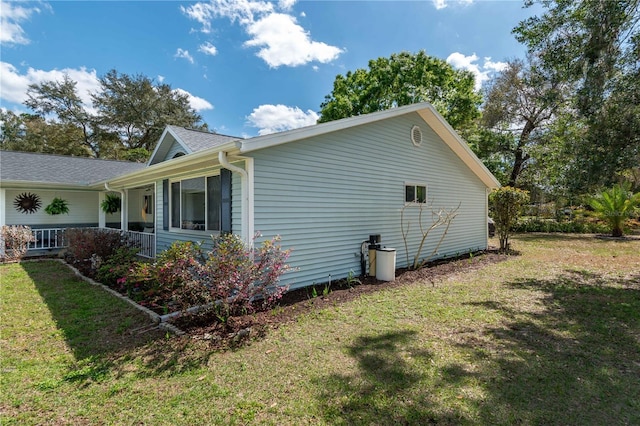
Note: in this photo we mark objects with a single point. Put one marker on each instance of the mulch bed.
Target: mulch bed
(240, 329)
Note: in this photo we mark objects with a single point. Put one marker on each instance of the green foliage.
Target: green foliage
(521, 101)
(117, 266)
(111, 204)
(404, 79)
(570, 227)
(131, 113)
(16, 241)
(506, 205)
(615, 205)
(593, 46)
(57, 206)
(137, 109)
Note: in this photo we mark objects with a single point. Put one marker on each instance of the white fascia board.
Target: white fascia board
(200, 159)
(458, 146)
(22, 184)
(261, 142)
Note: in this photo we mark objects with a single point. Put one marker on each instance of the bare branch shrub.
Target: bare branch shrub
(439, 217)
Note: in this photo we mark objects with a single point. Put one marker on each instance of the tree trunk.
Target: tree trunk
(520, 158)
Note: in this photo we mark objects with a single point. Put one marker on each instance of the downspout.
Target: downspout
(246, 206)
(123, 226)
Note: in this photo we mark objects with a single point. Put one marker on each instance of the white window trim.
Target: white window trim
(172, 228)
(415, 185)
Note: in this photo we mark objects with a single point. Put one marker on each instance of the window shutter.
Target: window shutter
(225, 201)
(165, 204)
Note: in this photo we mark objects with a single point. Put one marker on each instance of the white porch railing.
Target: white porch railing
(54, 238)
(143, 241)
(46, 239)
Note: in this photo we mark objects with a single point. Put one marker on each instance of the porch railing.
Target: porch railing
(143, 241)
(47, 239)
(54, 238)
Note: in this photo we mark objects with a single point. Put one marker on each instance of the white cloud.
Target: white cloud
(280, 39)
(12, 15)
(284, 42)
(278, 118)
(286, 5)
(441, 4)
(197, 103)
(182, 53)
(160, 78)
(208, 49)
(15, 84)
(482, 72)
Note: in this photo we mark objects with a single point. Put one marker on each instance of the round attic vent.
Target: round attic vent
(416, 135)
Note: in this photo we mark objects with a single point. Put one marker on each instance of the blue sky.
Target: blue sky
(250, 67)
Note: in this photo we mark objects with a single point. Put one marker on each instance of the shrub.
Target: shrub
(615, 205)
(16, 241)
(89, 247)
(117, 266)
(506, 205)
(172, 282)
(240, 278)
(574, 227)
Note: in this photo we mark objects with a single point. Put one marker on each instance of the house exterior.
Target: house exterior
(324, 189)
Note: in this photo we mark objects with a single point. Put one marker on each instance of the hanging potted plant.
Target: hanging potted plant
(57, 206)
(111, 204)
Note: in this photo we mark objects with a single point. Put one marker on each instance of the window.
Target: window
(195, 204)
(415, 193)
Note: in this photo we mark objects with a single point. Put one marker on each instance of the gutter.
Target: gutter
(246, 177)
(123, 224)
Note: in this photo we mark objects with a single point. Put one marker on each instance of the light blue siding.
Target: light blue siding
(176, 148)
(327, 194)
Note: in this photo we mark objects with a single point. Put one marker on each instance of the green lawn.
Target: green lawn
(548, 337)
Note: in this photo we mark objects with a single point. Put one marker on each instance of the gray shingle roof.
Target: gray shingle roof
(60, 169)
(198, 140)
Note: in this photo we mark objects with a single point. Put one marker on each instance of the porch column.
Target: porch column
(3, 219)
(124, 210)
(102, 216)
(3, 206)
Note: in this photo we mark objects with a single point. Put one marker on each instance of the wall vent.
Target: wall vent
(416, 135)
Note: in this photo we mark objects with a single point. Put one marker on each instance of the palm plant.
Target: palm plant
(615, 206)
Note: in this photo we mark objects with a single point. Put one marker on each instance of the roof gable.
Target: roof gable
(175, 140)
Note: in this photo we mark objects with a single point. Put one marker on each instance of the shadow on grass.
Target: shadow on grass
(382, 392)
(104, 333)
(573, 360)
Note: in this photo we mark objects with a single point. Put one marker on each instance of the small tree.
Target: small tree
(615, 205)
(506, 205)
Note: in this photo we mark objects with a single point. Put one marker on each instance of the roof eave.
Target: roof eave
(458, 146)
(208, 157)
(266, 141)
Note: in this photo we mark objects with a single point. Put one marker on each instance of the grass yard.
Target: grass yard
(548, 337)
